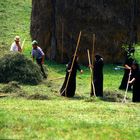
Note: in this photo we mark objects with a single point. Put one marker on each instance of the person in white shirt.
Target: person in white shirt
(16, 46)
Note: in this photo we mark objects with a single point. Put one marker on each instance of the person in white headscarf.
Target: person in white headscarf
(16, 46)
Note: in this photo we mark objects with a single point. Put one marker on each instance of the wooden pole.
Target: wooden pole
(22, 46)
(91, 71)
(124, 100)
(92, 88)
(62, 49)
(65, 90)
(59, 78)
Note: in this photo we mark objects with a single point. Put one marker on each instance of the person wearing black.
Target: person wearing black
(98, 76)
(136, 82)
(127, 68)
(71, 87)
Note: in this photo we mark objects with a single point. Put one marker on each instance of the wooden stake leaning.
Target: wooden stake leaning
(22, 46)
(65, 90)
(92, 65)
(124, 99)
(93, 87)
(62, 41)
(59, 78)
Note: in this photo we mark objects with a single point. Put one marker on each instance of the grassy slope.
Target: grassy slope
(14, 20)
(58, 117)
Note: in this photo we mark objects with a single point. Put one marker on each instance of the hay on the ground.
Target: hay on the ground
(17, 67)
(38, 96)
(12, 89)
(113, 96)
(109, 96)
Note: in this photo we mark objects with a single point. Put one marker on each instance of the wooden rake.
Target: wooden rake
(124, 99)
(65, 90)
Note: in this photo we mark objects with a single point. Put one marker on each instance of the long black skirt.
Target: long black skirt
(124, 81)
(136, 93)
(70, 90)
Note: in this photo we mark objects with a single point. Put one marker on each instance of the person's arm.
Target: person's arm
(127, 67)
(43, 58)
(132, 81)
(81, 71)
(13, 48)
(78, 67)
(42, 53)
(68, 67)
(19, 46)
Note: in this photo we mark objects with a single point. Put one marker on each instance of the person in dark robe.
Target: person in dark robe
(127, 68)
(71, 87)
(98, 76)
(136, 82)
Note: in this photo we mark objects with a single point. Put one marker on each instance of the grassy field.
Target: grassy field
(79, 118)
(59, 118)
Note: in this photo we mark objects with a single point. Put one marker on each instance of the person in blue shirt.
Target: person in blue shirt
(38, 55)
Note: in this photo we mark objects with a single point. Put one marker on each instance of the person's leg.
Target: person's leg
(42, 70)
(41, 67)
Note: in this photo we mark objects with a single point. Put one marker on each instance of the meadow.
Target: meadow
(59, 118)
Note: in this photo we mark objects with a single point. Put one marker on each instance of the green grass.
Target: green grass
(15, 20)
(60, 118)
(63, 118)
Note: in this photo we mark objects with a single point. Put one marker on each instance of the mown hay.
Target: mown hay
(113, 96)
(11, 87)
(38, 96)
(16, 67)
(109, 96)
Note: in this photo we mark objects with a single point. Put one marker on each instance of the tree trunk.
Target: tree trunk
(53, 32)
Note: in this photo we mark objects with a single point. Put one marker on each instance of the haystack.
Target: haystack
(17, 67)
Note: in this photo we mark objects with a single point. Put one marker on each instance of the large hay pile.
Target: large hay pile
(16, 67)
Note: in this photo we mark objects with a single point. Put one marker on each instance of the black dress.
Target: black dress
(70, 90)
(124, 81)
(136, 87)
(98, 75)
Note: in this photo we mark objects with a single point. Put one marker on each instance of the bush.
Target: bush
(16, 67)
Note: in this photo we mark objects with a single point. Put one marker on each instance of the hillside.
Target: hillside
(14, 20)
